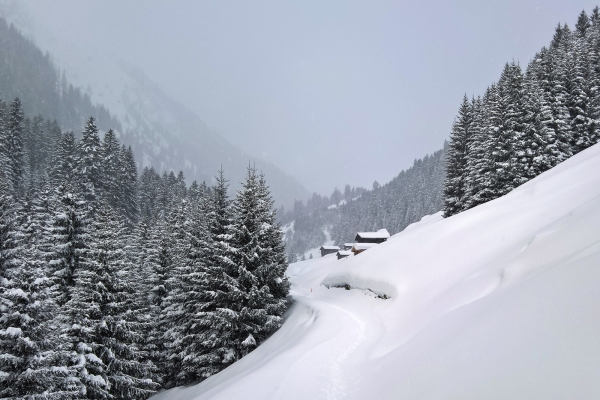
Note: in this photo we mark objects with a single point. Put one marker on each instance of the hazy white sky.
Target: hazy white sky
(333, 92)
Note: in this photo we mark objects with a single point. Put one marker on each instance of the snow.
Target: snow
(316, 252)
(363, 246)
(12, 331)
(380, 234)
(40, 281)
(287, 228)
(341, 203)
(498, 302)
(17, 293)
(250, 341)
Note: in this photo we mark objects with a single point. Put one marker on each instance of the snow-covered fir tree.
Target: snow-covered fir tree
(260, 266)
(63, 167)
(456, 159)
(219, 312)
(193, 296)
(107, 314)
(111, 168)
(89, 164)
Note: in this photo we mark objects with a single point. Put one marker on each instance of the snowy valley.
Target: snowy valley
(144, 255)
(498, 302)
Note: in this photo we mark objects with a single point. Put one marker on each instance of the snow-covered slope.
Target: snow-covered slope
(499, 302)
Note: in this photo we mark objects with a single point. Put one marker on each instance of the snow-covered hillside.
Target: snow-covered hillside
(499, 302)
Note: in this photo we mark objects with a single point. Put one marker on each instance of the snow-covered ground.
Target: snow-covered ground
(315, 252)
(499, 302)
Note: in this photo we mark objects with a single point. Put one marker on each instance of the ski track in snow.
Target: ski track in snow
(339, 386)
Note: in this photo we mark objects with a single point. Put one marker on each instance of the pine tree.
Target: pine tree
(194, 296)
(34, 152)
(273, 262)
(220, 314)
(506, 129)
(128, 183)
(53, 135)
(69, 238)
(537, 148)
(111, 168)
(580, 94)
(583, 24)
(595, 17)
(149, 189)
(179, 186)
(479, 161)
(160, 302)
(257, 311)
(165, 194)
(557, 85)
(5, 172)
(173, 311)
(456, 170)
(89, 164)
(13, 147)
(64, 158)
(107, 313)
(67, 248)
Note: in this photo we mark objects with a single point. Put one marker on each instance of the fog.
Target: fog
(332, 92)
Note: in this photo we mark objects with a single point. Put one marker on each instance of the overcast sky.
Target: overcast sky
(333, 92)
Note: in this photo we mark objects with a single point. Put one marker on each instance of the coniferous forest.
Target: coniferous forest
(411, 195)
(113, 286)
(527, 123)
(407, 198)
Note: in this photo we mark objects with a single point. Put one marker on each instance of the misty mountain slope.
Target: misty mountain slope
(163, 132)
(498, 302)
(173, 135)
(408, 197)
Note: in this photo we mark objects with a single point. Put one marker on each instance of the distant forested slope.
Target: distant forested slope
(407, 198)
(30, 75)
(162, 132)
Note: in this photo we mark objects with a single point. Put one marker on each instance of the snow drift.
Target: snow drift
(499, 302)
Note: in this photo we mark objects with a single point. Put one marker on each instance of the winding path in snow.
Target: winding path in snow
(339, 382)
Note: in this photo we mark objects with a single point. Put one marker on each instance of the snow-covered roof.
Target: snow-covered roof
(348, 244)
(344, 253)
(380, 234)
(363, 246)
(329, 248)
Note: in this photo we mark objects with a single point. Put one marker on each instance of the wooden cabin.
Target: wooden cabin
(358, 248)
(328, 250)
(343, 254)
(372, 237)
